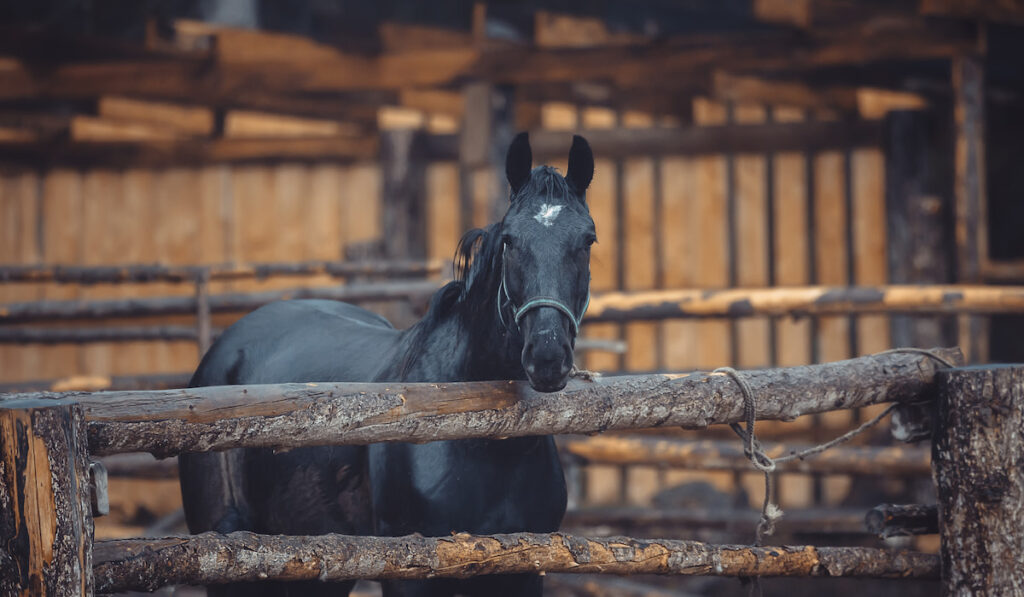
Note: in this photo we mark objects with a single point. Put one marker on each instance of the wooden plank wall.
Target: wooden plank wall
(176, 216)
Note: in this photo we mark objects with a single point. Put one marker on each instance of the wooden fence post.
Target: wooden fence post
(46, 528)
(978, 463)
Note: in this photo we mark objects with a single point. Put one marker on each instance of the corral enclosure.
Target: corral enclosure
(753, 144)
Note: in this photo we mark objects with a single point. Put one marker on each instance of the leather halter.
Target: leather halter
(535, 303)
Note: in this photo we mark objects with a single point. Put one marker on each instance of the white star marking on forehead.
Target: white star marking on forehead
(548, 214)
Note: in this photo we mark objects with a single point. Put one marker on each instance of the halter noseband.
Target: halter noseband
(535, 303)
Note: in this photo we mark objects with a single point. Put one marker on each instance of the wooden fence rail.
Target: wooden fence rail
(728, 455)
(170, 422)
(219, 303)
(142, 273)
(654, 305)
(210, 558)
(806, 300)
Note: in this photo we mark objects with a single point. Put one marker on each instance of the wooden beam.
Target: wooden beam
(969, 187)
(1004, 11)
(91, 129)
(746, 138)
(94, 383)
(728, 455)
(170, 422)
(917, 243)
(979, 471)
(211, 558)
(656, 305)
(189, 151)
(749, 88)
(689, 521)
(264, 125)
(185, 119)
(219, 303)
(144, 273)
(46, 521)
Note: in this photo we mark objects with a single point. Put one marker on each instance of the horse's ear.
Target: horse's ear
(581, 164)
(519, 161)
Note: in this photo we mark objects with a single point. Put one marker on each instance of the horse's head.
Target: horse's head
(546, 236)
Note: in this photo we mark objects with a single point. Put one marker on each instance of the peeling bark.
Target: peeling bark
(45, 515)
(171, 422)
(978, 456)
(210, 558)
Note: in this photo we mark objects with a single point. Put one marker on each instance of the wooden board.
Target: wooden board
(708, 228)
(752, 250)
(791, 243)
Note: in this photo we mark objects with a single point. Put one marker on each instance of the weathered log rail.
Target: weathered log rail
(229, 302)
(654, 305)
(805, 301)
(170, 422)
(728, 455)
(155, 272)
(146, 564)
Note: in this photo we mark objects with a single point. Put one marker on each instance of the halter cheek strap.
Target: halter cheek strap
(536, 303)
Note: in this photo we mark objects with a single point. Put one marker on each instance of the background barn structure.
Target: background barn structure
(739, 144)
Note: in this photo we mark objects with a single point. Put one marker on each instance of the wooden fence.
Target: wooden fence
(47, 439)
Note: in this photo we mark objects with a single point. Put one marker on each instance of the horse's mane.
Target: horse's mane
(477, 270)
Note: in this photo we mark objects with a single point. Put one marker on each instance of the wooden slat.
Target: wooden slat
(707, 216)
(869, 241)
(791, 244)
(639, 249)
(752, 250)
(20, 224)
(191, 120)
(604, 272)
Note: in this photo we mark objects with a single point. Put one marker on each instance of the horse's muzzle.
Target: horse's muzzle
(547, 352)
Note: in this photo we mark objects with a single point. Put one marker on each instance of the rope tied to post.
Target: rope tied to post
(770, 512)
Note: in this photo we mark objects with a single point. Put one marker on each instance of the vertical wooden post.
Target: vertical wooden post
(403, 168)
(488, 126)
(969, 188)
(46, 528)
(978, 465)
(916, 230)
(404, 206)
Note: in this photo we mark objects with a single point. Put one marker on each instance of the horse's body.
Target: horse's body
(473, 330)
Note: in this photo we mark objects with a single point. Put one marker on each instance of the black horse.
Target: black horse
(513, 312)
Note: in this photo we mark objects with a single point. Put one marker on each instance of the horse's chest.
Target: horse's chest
(470, 485)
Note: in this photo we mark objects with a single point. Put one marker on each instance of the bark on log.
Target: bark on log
(171, 422)
(728, 455)
(655, 305)
(46, 527)
(895, 520)
(979, 470)
(219, 303)
(140, 273)
(210, 558)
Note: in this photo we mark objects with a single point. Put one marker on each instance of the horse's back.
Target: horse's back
(301, 491)
(297, 341)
